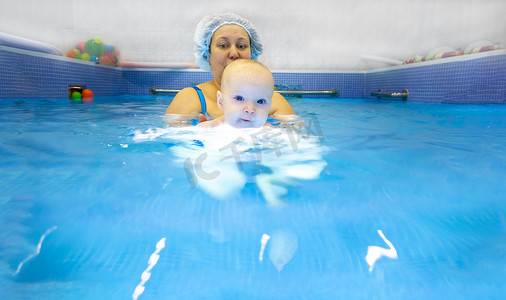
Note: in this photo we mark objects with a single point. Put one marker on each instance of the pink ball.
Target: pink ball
(81, 46)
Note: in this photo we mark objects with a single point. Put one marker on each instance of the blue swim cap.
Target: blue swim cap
(209, 24)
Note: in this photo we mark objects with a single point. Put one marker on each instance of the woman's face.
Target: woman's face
(228, 43)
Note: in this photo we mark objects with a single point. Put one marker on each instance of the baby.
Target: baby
(246, 93)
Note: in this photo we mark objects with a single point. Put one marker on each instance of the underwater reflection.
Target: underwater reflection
(221, 160)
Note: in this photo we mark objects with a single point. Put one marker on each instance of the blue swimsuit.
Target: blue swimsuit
(202, 100)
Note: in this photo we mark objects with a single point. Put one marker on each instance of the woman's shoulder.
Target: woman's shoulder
(185, 102)
(208, 87)
(280, 106)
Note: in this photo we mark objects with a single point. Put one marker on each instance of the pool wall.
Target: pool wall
(468, 79)
(472, 79)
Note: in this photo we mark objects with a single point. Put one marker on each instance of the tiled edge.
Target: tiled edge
(349, 85)
(28, 74)
(458, 80)
(139, 82)
(481, 80)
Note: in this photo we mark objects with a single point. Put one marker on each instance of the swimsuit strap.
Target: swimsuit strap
(202, 100)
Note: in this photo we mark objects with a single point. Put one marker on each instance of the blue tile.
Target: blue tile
(481, 80)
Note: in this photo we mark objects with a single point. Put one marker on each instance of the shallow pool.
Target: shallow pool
(97, 202)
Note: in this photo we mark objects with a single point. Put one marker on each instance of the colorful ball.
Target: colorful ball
(77, 56)
(76, 95)
(85, 56)
(94, 48)
(97, 40)
(81, 46)
(87, 93)
(71, 53)
(105, 60)
(93, 58)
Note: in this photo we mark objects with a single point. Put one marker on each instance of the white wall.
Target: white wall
(297, 34)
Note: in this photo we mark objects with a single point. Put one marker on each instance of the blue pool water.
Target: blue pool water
(96, 202)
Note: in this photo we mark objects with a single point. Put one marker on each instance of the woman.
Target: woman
(219, 40)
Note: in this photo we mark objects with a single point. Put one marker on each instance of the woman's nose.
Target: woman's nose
(233, 54)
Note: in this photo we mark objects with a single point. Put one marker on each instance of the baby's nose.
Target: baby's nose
(249, 108)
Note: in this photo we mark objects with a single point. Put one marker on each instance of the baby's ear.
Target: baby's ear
(219, 101)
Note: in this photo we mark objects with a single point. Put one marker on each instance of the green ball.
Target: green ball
(94, 48)
(76, 96)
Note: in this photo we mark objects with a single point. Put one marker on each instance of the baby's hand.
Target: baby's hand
(202, 118)
(209, 124)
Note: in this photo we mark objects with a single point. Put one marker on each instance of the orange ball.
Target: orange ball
(87, 93)
(105, 60)
(71, 53)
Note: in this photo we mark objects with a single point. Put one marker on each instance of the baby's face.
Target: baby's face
(246, 102)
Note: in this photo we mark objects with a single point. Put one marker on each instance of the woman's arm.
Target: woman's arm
(186, 102)
(280, 106)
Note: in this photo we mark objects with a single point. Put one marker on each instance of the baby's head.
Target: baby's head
(246, 93)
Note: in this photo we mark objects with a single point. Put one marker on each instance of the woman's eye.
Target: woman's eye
(242, 46)
(223, 46)
(261, 101)
(239, 98)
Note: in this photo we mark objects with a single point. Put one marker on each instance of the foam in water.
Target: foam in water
(214, 159)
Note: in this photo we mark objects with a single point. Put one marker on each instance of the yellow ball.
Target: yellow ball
(97, 40)
(85, 56)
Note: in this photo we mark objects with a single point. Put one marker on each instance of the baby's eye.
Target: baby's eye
(261, 101)
(239, 98)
